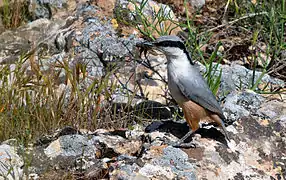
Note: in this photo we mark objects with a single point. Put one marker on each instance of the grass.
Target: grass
(14, 14)
(33, 104)
(268, 28)
(265, 20)
(162, 23)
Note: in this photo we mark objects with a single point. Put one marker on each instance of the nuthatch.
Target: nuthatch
(187, 86)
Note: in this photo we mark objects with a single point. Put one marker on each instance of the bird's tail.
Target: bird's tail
(224, 130)
(220, 121)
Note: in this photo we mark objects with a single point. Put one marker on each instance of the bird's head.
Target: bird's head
(171, 46)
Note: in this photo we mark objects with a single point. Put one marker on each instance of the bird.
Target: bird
(187, 86)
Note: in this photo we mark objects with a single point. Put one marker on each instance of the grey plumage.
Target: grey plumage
(187, 78)
(187, 85)
(168, 38)
(197, 90)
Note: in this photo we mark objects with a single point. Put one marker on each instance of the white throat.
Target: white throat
(177, 57)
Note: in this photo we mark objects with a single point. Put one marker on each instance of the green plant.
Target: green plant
(149, 27)
(32, 104)
(268, 27)
(159, 23)
(14, 13)
(194, 43)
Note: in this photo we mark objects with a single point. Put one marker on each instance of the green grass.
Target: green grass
(265, 21)
(161, 23)
(269, 27)
(14, 14)
(32, 105)
(156, 26)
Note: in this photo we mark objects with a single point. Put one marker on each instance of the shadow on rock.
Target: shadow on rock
(180, 129)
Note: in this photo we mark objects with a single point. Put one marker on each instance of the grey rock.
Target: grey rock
(71, 145)
(237, 77)
(283, 121)
(136, 132)
(85, 9)
(157, 172)
(173, 163)
(97, 171)
(56, 3)
(241, 104)
(39, 10)
(125, 171)
(10, 163)
(44, 8)
(197, 3)
(42, 32)
(158, 138)
(98, 43)
(130, 16)
(178, 161)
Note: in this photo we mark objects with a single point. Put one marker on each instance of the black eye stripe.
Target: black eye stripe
(177, 44)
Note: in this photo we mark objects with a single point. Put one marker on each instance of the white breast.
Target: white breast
(178, 68)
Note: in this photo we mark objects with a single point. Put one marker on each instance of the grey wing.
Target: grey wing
(197, 90)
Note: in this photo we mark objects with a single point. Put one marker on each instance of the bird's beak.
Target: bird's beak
(148, 46)
(145, 45)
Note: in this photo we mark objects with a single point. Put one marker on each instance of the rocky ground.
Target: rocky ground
(85, 32)
(256, 149)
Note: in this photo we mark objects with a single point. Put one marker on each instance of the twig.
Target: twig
(225, 11)
(106, 66)
(234, 21)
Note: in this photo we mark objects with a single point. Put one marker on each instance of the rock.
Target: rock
(10, 163)
(237, 77)
(197, 3)
(56, 3)
(158, 172)
(96, 42)
(107, 7)
(15, 43)
(40, 10)
(127, 10)
(172, 163)
(153, 81)
(147, 10)
(136, 132)
(97, 171)
(45, 139)
(49, 8)
(71, 145)
(272, 109)
(118, 145)
(241, 104)
(126, 171)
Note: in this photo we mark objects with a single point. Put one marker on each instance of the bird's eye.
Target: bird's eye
(177, 44)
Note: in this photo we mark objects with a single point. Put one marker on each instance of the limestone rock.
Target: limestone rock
(10, 163)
